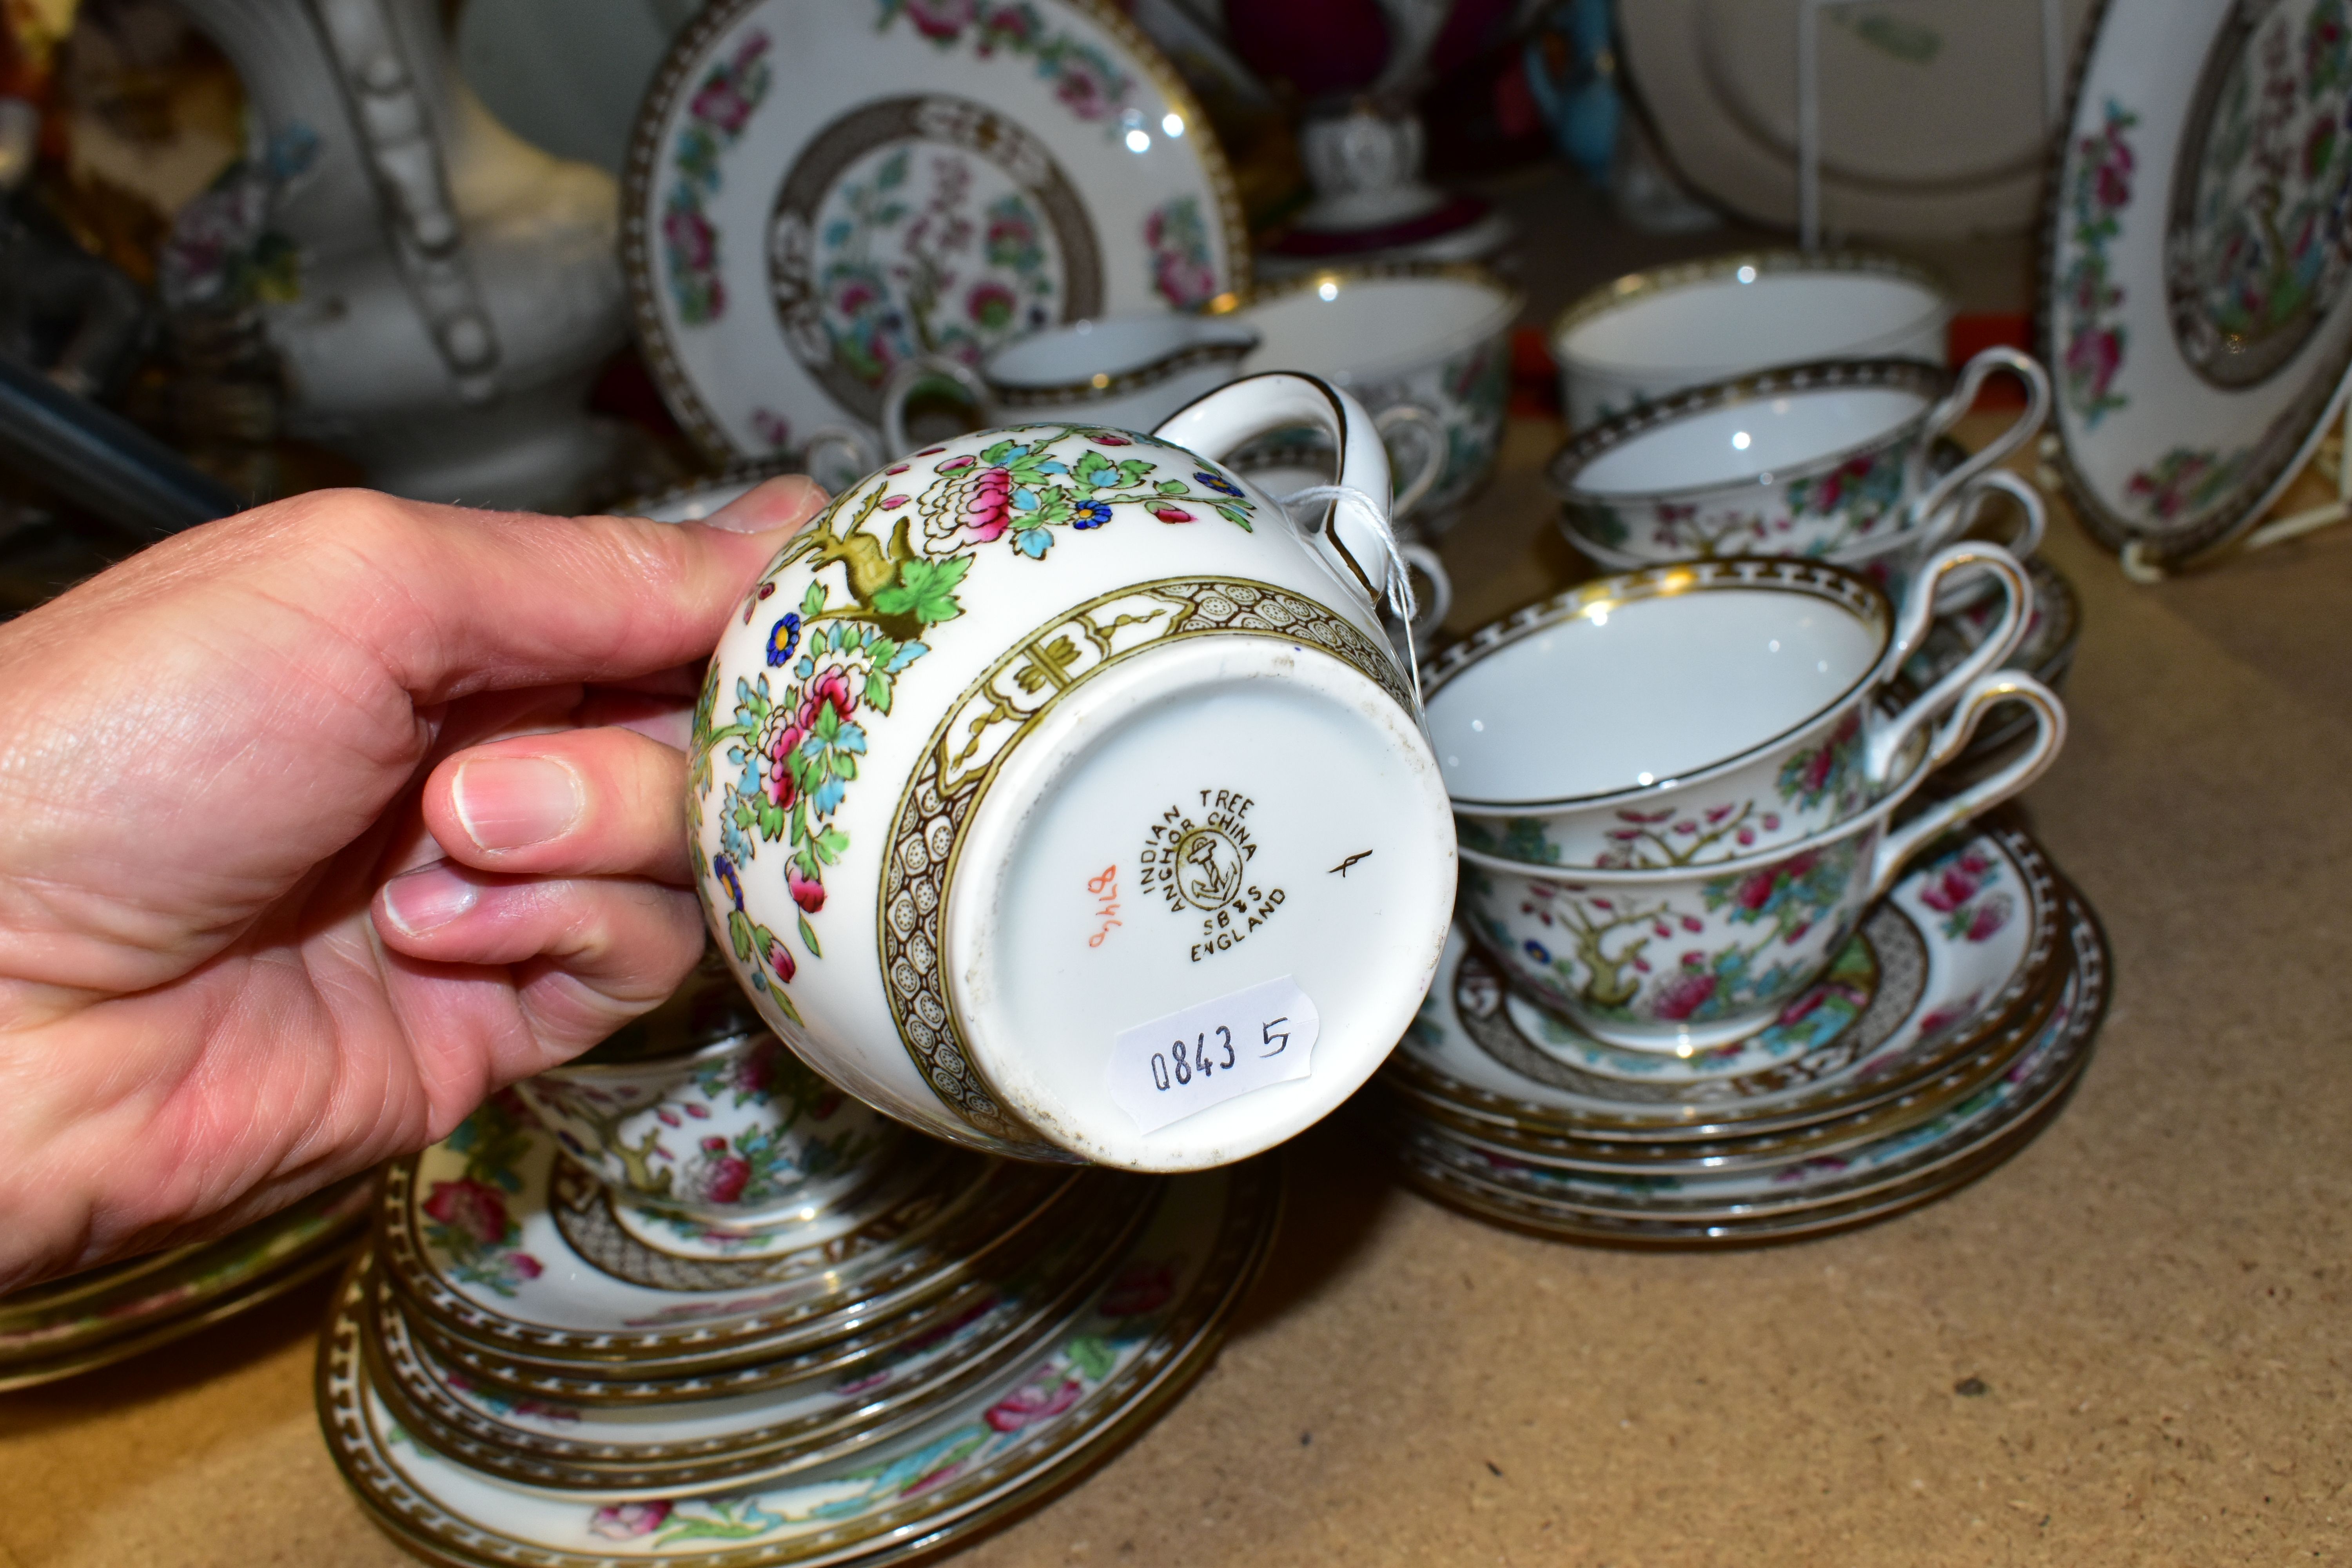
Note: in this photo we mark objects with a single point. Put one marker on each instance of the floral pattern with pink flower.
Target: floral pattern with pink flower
(467, 1220)
(2088, 292)
(799, 729)
(716, 115)
(629, 1521)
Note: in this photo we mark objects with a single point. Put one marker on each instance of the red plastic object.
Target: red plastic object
(1971, 335)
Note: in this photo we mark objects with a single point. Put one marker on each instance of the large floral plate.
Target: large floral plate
(818, 193)
(1931, 111)
(741, 1438)
(1961, 959)
(103, 1315)
(2028, 1083)
(2194, 308)
(977, 1464)
(503, 1244)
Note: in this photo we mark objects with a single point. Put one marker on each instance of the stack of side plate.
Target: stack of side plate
(1945, 1036)
(524, 1368)
(102, 1315)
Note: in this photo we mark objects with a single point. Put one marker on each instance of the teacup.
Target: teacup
(1641, 339)
(1433, 336)
(1893, 561)
(1123, 372)
(1686, 958)
(697, 1111)
(1045, 749)
(1806, 460)
(1695, 714)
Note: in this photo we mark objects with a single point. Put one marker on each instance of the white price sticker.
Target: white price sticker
(1165, 1070)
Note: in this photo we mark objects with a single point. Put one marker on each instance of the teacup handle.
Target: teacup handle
(909, 373)
(1961, 515)
(1428, 609)
(858, 456)
(1961, 592)
(2028, 537)
(1888, 737)
(1220, 423)
(1982, 697)
(1947, 413)
(1399, 416)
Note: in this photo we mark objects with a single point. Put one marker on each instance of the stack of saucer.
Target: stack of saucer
(1946, 1034)
(103, 1315)
(1703, 985)
(536, 1363)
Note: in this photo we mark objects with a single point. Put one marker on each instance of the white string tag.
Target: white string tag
(1400, 587)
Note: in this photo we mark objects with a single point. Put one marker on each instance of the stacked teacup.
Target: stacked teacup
(1677, 792)
(683, 1291)
(1846, 461)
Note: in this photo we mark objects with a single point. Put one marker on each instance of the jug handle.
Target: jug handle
(1357, 540)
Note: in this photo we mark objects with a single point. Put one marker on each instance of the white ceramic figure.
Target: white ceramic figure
(456, 291)
(1041, 737)
(1806, 461)
(1432, 338)
(1680, 958)
(1128, 373)
(1695, 714)
(1630, 344)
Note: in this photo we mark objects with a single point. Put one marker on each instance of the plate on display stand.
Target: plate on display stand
(816, 194)
(2197, 268)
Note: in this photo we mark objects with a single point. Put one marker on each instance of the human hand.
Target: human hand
(320, 823)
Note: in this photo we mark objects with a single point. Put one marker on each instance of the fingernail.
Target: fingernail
(431, 897)
(505, 803)
(785, 502)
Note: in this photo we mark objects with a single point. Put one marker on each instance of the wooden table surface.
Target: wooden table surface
(2155, 1296)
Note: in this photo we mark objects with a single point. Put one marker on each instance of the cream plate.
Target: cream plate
(2194, 312)
(818, 193)
(1960, 949)
(104, 1314)
(980, 1461)
(1931, 111)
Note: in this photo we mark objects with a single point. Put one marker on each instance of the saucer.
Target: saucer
(103, 1315)
(2039, 1074)
(1966, 954)
(503, 1244)
(979, 1461)
(1553, 1223)
(745, 1437)
(2046, 653)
